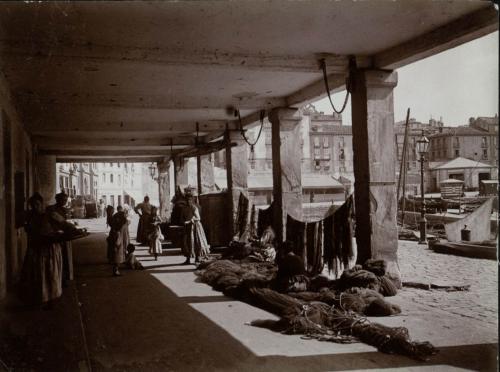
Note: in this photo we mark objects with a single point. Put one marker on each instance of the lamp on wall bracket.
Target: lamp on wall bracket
(152, 171)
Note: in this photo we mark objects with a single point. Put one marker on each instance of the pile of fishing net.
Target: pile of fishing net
(358, 290)
(235, 279)
(317, 307)
(318, 320)
(251, 251)
(371, 275)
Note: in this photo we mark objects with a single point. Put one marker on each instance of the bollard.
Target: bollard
(465, 234)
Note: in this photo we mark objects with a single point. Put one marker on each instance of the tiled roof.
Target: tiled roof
(488, 120)
(309, 181)
(334, 129)
(461, 131)
(265, 181)
(461, 163)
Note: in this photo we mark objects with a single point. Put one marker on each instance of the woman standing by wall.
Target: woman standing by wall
(41, 277)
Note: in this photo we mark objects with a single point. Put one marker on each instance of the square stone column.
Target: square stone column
(205, 173)
(45, 178)
(237, 173)
(164, 188)
(287, 158)
(374, 167)
(181, 174)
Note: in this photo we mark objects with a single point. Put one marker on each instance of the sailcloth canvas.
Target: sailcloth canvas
(478, 222)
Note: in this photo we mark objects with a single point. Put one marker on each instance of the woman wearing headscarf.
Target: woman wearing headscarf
(195, 241)
(144, 211)
(58, 214)
(41, 277)
(118, 239)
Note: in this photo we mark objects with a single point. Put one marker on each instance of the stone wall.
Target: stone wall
(15, 156)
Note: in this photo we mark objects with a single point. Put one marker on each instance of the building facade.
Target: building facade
(489, 124)
(78, 179)
(471, 172)
(415, 131)
(115, 183)
(326, 147)
(466, 142)
(325, 143)
(121, 183)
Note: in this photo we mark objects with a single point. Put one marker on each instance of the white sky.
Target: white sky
(457, 84)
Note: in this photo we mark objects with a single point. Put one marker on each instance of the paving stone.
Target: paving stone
(419, 264)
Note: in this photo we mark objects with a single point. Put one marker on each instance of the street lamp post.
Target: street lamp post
(422, 147)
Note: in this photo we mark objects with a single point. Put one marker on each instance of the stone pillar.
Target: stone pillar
(181, 174)
(45, 177)
(287, 157)
(164, 188)
(374, 167)
(237, 173)
(206, 177)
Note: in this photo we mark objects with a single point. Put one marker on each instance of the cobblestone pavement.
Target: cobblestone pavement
(419, 264)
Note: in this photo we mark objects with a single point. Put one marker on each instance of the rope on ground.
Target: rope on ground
(430, 286)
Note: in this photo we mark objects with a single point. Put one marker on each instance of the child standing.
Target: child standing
(155, 237)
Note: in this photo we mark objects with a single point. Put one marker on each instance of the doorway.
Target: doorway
(456, 176)
(484, 177)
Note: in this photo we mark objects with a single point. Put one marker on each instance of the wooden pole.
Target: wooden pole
(402, 167)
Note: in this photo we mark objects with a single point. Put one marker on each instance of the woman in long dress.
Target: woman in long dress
(143, 228)
(124, 230)
(41, 277)
(118, 240)
(195, 241)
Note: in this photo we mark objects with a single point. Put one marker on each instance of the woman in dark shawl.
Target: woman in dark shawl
(143, 228)
(41, 276)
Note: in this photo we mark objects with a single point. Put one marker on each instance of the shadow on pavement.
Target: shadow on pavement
(136, 323)
(164, 332)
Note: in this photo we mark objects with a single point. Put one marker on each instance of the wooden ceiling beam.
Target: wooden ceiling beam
(92, 55)
(85, 142)
(102, 159)
(142, 101)
(183, 128)
(103, 153)
(455, 33)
